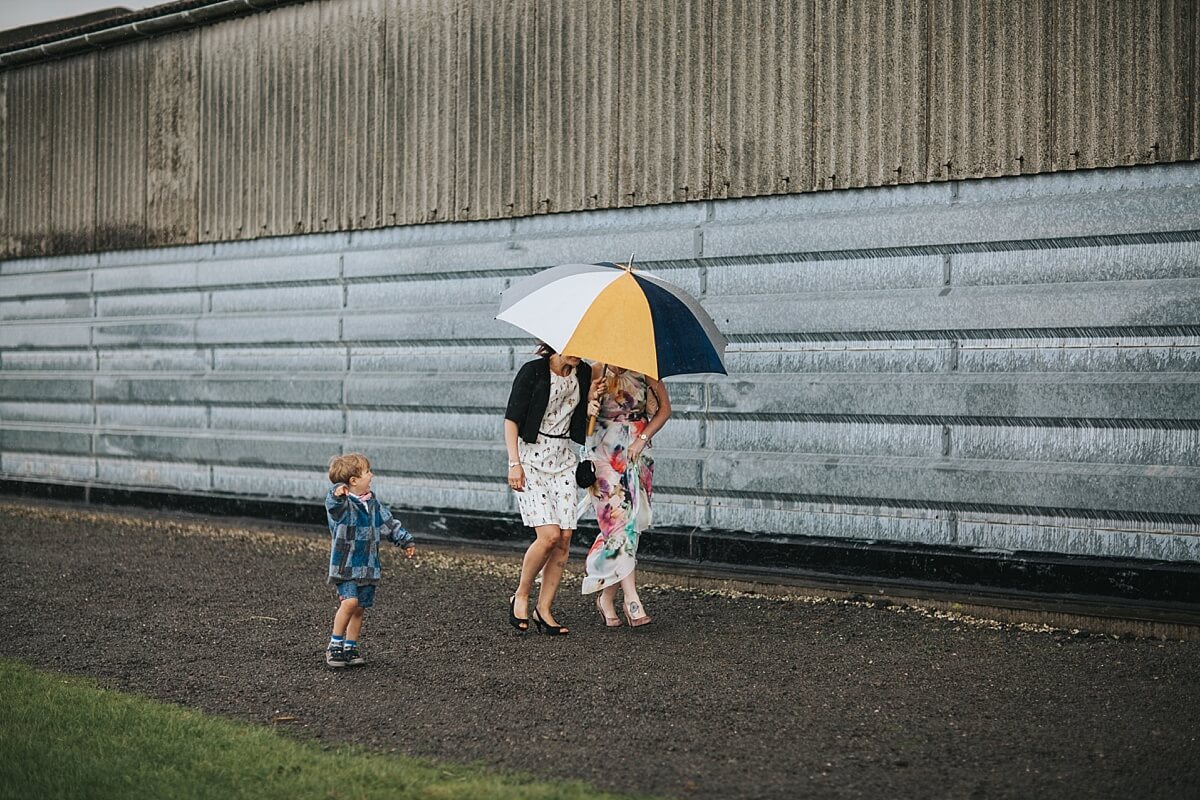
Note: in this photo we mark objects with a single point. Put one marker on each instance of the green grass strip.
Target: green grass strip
(63, 737)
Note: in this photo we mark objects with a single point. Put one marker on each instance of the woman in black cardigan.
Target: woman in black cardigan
(547, 411)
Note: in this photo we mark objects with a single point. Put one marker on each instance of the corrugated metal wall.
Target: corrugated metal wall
(1004, 364)
(361, 114)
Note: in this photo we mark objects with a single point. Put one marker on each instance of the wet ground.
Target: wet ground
(723, 696)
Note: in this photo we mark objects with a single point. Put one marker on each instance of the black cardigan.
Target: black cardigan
(531, 394)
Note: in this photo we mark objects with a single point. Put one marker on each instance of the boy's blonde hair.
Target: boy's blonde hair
(351, 465)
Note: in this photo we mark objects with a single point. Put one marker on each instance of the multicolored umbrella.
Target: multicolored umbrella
(611, 313)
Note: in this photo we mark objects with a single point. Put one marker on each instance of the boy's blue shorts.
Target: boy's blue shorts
(365, 592)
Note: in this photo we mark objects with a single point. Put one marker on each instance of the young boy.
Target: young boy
(354, 557)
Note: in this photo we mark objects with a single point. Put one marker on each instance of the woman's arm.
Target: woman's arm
(516, 472)
(657, 421)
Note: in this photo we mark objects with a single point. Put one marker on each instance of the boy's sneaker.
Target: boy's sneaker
(353, 658)
(335, 657)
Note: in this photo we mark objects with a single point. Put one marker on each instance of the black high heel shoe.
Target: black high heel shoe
(546, 627)
(521, 625)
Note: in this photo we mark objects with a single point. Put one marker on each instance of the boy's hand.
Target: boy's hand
(341, 490)
(410, 551)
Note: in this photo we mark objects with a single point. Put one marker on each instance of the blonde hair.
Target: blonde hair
(351, 465)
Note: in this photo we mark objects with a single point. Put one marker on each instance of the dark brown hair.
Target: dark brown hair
(544, 350)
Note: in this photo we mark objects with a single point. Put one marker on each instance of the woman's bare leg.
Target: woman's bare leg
(633, 603)
(535, 558)
(552, 576)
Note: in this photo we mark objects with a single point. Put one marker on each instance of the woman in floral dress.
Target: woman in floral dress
(630, 408)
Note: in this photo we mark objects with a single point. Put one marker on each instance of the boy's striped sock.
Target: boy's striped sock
(336, 642)
(351, 643)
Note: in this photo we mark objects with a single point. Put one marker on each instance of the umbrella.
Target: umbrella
(613, 314)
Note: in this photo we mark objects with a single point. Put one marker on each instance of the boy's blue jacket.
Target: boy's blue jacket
(356, 529)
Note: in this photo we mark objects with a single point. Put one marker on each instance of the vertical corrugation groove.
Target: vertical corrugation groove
(1190, 37)
(209, 134)
(6, 242)
(324, 170)
(121, 151)
(72, 111)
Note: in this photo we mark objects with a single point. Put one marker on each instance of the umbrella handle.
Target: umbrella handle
(592, 420)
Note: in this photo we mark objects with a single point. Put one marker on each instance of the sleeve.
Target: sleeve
(392, 529)
(521, 394)
(336, 507)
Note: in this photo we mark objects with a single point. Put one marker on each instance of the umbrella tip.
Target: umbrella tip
(629, 266)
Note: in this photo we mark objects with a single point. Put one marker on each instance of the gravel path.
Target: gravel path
(722, 697)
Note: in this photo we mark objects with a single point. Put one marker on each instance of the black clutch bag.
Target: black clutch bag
(585, 473)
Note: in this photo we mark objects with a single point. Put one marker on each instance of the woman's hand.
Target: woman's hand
(635, 451)
(516, 478)
(593, 408)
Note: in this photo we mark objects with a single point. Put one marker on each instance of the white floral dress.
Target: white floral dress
(550, 496)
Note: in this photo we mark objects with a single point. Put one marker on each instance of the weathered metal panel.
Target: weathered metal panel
(493, 148)
(6, 243)
(230, 133)
(72, 111)
(574, 115)
(29, 158)
(419, 108)
(173, 140)
(870, 85)
(289, 46)
(905, 365)
(762, 100)
(1117, 82)
(351, 91)
(664, 101)
(989, 90)
(122, 146)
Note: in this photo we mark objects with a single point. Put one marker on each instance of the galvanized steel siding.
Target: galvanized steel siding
(361, 114)
(1007, 364)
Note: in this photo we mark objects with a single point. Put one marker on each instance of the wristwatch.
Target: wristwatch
(512, 464)
(643, 437)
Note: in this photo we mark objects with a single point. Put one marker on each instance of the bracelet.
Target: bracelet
(512, 464)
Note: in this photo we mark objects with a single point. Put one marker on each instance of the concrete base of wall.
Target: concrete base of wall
(1110, 595)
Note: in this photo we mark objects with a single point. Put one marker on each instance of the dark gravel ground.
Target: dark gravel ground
(724, 696)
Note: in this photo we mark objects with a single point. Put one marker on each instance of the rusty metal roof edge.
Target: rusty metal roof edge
(72, 42)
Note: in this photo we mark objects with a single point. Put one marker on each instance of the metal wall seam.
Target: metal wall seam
(121, 159)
